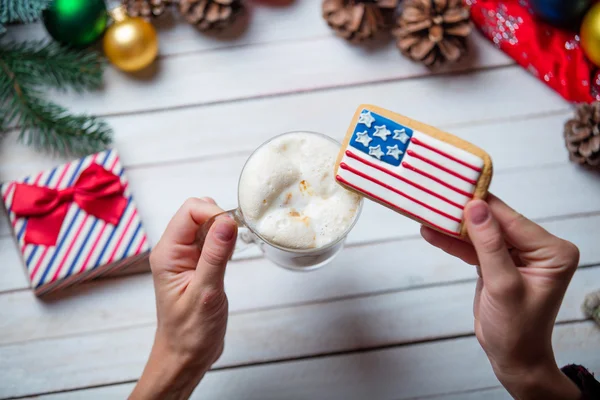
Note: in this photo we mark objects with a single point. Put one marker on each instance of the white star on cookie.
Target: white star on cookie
(363, 138)
(400, 134)
(376, 152)
(393, 151)
(366, 118)
(382, 132)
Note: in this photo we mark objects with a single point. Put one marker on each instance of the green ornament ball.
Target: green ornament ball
(77, 23)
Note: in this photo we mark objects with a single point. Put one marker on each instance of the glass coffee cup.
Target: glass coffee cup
(304, 259)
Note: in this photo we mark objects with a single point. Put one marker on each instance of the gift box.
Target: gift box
(75, 222)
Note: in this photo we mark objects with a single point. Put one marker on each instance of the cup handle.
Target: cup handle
(244, 240)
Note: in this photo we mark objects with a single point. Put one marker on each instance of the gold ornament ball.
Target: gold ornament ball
(590, 34)
(131, 44)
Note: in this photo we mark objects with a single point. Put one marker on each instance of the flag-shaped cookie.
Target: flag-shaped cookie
(414, 169)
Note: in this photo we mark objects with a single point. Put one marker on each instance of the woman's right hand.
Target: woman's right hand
(191, 304)
(524, 272)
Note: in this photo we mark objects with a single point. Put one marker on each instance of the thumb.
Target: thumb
(499, 273)
(218, 247)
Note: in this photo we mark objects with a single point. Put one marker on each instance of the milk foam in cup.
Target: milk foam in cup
(288, 194)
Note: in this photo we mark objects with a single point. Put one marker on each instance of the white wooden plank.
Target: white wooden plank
(520, 144)
(251, 71)
(498, 393)
(399, 373)
(101, 393)
(395, 373)
(369, 322)
(388, 374)
(84, 359)
(364, 322)
(121, 391)
(192, 133)
(129, 302)
(299, 20)
(13, 275)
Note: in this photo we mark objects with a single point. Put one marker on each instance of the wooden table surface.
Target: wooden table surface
(391, 318)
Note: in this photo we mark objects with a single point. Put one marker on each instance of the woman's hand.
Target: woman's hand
(524, 273)
(190, 301)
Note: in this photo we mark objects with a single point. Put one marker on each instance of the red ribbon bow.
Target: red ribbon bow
(97, 192)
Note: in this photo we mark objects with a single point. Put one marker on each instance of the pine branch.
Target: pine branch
(58, 131)
(4, 88)
(43, 124)
(50, 64)
(20, 11)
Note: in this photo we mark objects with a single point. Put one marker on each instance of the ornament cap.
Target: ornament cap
(118, 13)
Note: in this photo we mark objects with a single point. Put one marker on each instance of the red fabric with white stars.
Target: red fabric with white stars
(551, 54)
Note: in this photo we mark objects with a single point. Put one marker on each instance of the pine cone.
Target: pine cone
(146, 9)
(358, 20)
(211, 15)
(433, 31)
(591, 306)
(582, 135)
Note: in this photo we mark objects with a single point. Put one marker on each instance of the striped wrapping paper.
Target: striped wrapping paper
(87, 247)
